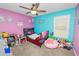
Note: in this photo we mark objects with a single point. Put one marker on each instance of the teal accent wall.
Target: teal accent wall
(45, 22)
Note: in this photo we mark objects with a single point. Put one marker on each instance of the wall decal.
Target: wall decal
(10, 19)
(1, 18)
(19, 24)
(30, 21)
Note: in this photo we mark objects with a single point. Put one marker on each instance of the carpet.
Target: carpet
(30, 49)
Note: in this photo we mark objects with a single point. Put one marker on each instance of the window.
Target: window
(61, 26)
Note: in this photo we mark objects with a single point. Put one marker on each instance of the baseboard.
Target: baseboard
(75, 52)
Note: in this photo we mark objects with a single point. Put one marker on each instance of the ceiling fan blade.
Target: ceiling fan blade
(28, 12)
(33, 4)
(37, 5)
(25, 7)
(41, 11)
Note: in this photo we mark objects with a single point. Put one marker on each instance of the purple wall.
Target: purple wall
(12, 27)
(76, 36)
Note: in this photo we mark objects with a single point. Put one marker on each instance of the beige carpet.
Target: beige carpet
(30, 49)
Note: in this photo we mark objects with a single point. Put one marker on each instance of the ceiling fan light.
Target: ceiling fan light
(33, 12)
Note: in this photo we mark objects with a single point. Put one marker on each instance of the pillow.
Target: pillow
(44, 34)
(42, 41)
(33, 36)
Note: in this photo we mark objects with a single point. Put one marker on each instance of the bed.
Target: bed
(38, 39)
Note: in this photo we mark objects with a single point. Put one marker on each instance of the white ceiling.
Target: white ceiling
(49, 7)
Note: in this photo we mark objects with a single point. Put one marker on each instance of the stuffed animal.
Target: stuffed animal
(60, 45)
(69, 46)
(64, 44)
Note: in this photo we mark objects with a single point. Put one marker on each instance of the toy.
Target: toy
(1, 48)
(7, 50)
(65, 44)
(11, 38)
(11, 41)
(5, 34)
(14, 37)
(68, 46)
(11, 44)
(5, 40)
(49, 43)
(52, 37)
(23, 40)
(60, 45)
(62, 41)
(20, 39)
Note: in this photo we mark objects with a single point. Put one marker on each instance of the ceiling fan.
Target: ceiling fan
(34, 9)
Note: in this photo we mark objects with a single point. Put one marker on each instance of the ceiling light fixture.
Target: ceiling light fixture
(33, 12)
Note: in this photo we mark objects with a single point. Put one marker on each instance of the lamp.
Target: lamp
(33, 12)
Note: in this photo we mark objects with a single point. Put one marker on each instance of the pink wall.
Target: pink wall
(12, 27)
(76, 36)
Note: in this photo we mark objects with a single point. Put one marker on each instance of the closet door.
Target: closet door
(61, 26)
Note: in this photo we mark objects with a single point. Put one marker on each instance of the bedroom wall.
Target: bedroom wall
(76, 35)
(12, 27)
(45, 22)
